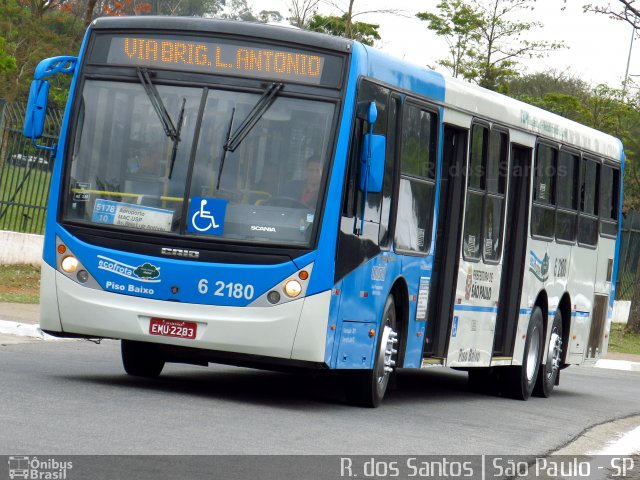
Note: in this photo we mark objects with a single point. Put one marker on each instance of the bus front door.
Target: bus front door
(447, 248)
(513, 263)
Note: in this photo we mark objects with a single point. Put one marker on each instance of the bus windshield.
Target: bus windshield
(127, 172)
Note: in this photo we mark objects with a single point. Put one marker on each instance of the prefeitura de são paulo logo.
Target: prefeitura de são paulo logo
(38, 469)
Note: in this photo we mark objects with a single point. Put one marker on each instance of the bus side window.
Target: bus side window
(567, 197)
(476, 180)
(486, 187)
(417, 180)
(589, 184)
(543, 210)
(494, 201)
(609, 200)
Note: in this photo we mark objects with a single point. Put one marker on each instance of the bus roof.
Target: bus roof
(486, 104)
(195, 25)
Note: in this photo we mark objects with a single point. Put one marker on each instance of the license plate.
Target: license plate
(173, 328)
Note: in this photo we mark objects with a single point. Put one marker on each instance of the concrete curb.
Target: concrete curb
(23, 330)
(618, 365)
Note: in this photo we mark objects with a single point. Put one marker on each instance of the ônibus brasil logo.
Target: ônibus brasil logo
(38, 469)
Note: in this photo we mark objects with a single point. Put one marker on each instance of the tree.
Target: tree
(459, 24)
(238, 10)
(627, 11)
(351, 28)
(28, 39)
(302, 11)
(493, 46)
(366, 33)
(270, 16)
(7, 62)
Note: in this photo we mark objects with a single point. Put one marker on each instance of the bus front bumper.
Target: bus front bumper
(295, 330)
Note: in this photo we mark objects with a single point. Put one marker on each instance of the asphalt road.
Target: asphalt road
(73, 397)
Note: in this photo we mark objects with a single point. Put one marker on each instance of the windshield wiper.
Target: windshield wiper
(224, 152)
(170, 129)
(174, 152)
(259, 109)
(256, 113)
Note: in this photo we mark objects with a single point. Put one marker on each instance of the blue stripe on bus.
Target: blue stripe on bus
(473, 308)
(616, 252)
(575, 313)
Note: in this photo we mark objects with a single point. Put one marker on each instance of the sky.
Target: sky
(597, 46)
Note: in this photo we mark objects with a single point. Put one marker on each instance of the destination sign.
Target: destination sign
(218, 56)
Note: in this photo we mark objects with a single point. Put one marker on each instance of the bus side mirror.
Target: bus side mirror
(36, 109)
(372, 162)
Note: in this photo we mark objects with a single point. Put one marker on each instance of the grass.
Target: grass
(622, 342)
(19, 283)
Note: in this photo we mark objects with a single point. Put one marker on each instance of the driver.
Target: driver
(309, 190)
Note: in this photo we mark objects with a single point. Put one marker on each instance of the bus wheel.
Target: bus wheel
(141, 359)
(551, 366)
(366, 388)
(522, 379)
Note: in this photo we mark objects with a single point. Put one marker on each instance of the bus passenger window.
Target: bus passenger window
(566, 215)
(588, 221)
(472, 237)
(494, 202)
(417, 182)
(609, 199)
(543, 210)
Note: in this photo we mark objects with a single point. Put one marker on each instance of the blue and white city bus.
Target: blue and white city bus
(269, 197)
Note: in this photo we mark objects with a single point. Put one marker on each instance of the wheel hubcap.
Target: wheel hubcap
(554, 353)
(533, 355)
(386, 355)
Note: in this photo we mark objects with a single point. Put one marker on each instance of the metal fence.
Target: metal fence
(629, 255)
(25, 171)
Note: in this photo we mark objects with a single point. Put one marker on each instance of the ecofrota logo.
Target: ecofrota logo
(38, 469)
(144, 273)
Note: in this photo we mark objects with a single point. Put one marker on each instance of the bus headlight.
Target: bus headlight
(292, 288)
(69, 264)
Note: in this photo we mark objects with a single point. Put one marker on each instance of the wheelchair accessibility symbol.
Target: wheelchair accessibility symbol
(206, 215)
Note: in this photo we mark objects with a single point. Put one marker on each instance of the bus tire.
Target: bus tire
(522, 379)
(550, 367)
(141, 359)
(366, 388)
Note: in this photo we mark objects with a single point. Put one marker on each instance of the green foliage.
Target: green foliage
(7, 62)
(239, 10)
(31, 38)
(459, 24)
(485, 44)
(366, 33)
(604, 108)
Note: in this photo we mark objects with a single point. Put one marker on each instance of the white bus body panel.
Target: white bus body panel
(473, 331)
(515, 114)
(293, 330)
